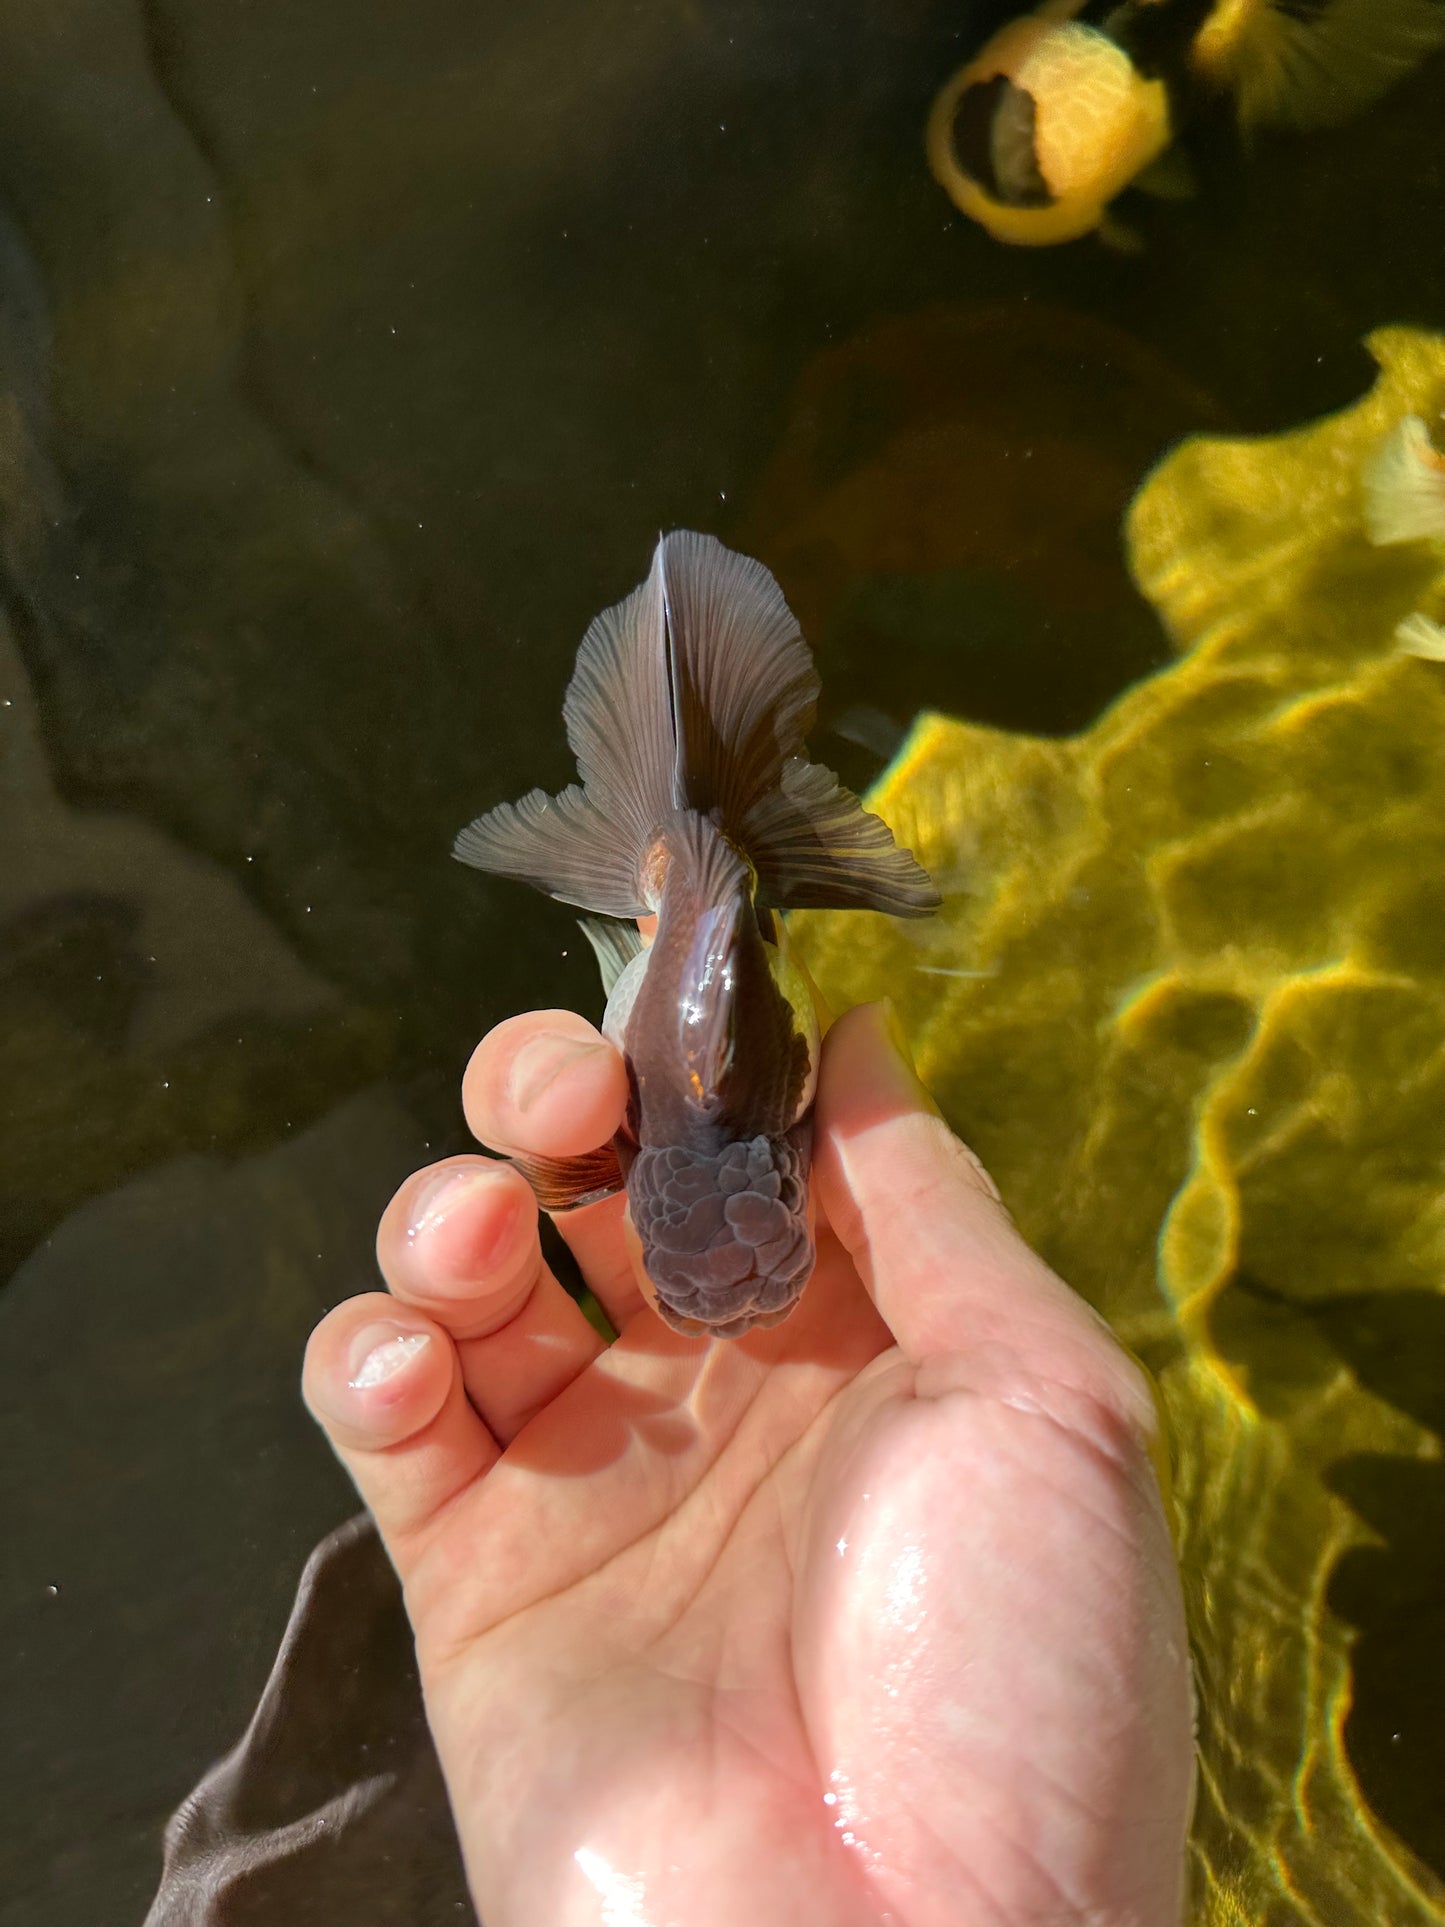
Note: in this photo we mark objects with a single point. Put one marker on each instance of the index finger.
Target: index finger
(549, 1084)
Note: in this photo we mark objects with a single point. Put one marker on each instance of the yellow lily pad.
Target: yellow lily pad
(1186, 998)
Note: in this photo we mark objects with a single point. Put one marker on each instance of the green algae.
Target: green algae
(1187, 1000)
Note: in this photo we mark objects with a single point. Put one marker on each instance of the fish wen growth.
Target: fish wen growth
(687, 713)
(1065, 108)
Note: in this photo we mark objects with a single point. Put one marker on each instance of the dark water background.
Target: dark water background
(351, 357)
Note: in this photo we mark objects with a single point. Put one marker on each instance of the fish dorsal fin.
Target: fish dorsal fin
(1315, 63)
(739, 1044)
(743, 684)
(707, 904)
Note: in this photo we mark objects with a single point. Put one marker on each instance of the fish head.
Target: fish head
(724, 1230)
(1037, 134)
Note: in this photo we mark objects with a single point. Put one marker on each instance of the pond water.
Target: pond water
(350, 361)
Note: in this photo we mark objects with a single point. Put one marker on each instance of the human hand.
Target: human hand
(871, 1617)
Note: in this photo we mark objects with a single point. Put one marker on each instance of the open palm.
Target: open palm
(872, 1617)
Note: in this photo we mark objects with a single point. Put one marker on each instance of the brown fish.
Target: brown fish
(687, 713)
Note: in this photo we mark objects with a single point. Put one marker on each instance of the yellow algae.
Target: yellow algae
(1186, 998)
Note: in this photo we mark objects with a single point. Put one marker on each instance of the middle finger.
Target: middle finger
(459, 1242)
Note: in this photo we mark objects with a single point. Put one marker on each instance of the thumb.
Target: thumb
(939, 1254)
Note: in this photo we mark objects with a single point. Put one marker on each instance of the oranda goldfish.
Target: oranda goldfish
(1065, 108)
(687, 713)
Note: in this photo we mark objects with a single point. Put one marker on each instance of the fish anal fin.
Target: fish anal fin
(566, 1184)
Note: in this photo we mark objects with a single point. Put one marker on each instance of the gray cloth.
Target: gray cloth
(331, 1807)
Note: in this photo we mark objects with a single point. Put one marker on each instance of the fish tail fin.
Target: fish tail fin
(1315, 63)
(1404, 487)
(743, 695)
(589, 845)
(562, 845)
(695, 693)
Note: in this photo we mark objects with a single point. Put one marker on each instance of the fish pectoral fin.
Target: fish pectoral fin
(815, 847)
(614, 944)
(565, 1184)
(562, 845)
(1118, 236)
(1170, 176)
(1319, 62)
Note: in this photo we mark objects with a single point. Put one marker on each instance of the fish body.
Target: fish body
(687, 713)
(1065, 108)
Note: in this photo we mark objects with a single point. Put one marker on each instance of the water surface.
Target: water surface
(350, 360)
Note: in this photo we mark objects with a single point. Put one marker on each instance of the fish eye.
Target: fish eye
(993, 142)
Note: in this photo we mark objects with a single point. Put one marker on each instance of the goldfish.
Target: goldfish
(1404, 487)
(1065, 108)
(687, 713)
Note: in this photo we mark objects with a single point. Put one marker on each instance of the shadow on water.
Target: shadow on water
(350, 361)
(1393, 1593)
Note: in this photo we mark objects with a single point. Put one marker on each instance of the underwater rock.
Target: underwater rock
(947, 492)
(146, 1004)
(1186, 998)
(159, 1460)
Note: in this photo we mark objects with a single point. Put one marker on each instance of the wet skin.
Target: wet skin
(870, 1617)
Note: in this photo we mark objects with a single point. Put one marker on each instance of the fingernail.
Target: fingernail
(542, 1060)
(379, 1352)
(442, 1194)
